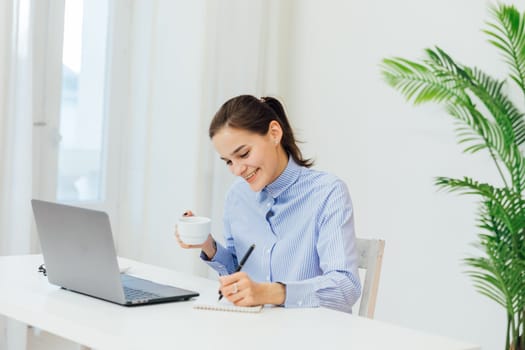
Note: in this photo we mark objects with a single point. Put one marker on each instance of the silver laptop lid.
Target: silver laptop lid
(78, 249)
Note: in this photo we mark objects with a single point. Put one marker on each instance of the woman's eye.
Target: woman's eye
(245, 154)
(228, 162)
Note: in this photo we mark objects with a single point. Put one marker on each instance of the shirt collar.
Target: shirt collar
(285, 180)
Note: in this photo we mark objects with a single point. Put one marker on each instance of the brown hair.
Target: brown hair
(247, 112)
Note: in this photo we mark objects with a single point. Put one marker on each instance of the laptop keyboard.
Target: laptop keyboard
(134, 294)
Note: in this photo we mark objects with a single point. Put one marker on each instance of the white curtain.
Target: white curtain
(15, 127)
(15, 143)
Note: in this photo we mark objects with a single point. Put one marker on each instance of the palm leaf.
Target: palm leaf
(505, 114)
(507, 34)
(417, 82)
(500, 275)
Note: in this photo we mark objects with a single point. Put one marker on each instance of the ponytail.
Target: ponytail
(288, 140)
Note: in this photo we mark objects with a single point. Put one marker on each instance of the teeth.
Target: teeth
(250, 175)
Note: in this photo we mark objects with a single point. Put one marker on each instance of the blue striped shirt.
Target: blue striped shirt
(302, 225)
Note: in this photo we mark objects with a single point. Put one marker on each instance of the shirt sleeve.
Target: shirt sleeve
(339, 286)
(224, 261)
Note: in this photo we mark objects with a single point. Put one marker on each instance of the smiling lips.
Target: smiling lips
(251, 175)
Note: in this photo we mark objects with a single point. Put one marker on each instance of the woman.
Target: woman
(300, 220)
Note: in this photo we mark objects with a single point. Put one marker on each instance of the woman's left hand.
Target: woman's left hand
(241, 290)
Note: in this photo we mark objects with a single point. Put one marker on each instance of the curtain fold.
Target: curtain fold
(16, 128)
(15, 143)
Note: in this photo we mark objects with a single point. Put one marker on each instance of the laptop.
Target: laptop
(79, 255)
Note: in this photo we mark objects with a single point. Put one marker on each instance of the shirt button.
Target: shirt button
(268, 204)
(300, 302)
(268, 251)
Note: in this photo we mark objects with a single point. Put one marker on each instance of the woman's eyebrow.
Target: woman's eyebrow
(235, 151)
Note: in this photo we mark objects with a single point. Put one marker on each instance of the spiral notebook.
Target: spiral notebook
(208, 302)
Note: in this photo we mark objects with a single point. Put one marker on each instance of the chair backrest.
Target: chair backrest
(370, 259)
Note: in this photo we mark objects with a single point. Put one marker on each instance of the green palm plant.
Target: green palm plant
(487, 120)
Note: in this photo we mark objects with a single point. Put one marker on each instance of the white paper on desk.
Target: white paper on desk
(208, 302)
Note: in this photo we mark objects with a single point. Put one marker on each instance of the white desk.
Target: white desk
(26, 296)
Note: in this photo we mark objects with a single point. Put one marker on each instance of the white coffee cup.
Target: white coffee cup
(194, 229)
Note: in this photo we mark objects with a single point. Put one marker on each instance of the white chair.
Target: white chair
(370, 259)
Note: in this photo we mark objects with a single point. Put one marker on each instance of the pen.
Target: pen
(241, 264)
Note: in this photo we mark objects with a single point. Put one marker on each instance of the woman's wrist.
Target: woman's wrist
(276, 293)
(209, 248)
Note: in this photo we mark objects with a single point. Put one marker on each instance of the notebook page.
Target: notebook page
(208, 302)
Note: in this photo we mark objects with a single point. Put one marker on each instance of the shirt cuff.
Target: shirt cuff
(301, 294)
(217, 263)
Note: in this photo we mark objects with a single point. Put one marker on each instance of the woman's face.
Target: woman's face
(259, 159)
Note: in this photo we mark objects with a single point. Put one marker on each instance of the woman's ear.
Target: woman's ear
(275, 132)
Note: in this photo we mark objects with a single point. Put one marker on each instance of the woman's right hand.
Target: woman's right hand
(208, 247)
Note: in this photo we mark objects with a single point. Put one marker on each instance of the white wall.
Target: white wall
(322, 58)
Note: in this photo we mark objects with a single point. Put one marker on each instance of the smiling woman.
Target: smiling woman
(300, 220)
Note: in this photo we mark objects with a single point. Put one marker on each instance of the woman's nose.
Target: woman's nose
(238, 169)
